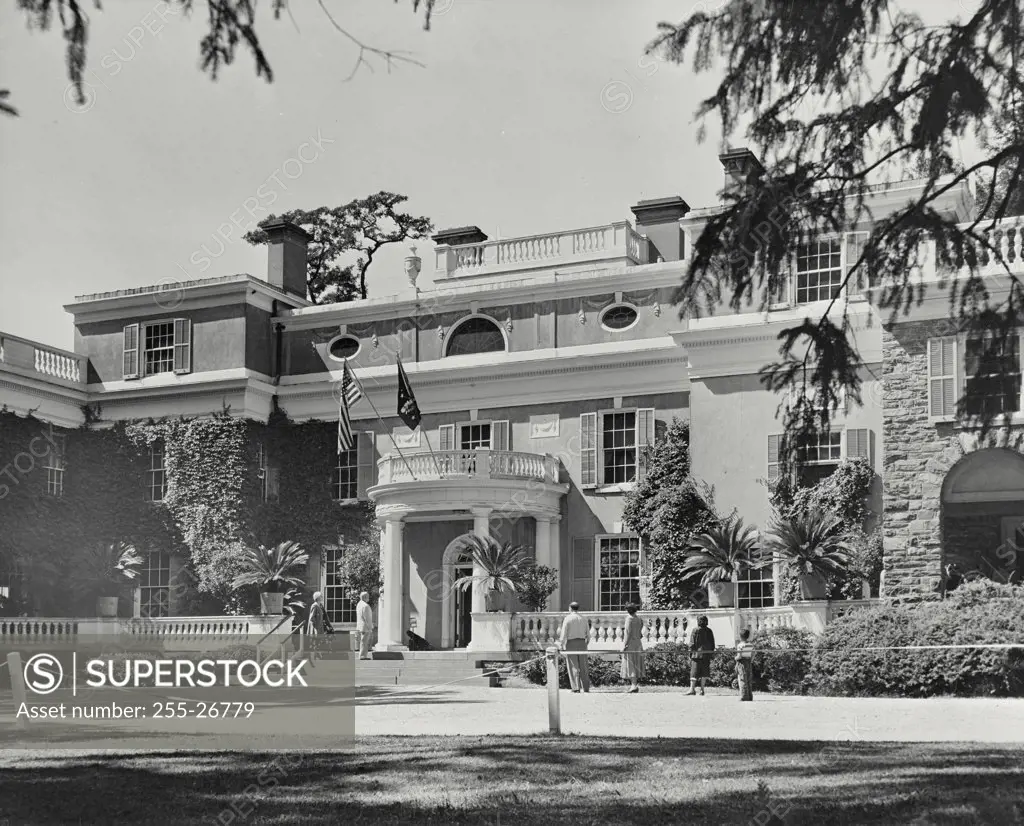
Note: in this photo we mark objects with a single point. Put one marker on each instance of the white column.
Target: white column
(543, 540)
(482, 528)
(391, 633)
(555, 554)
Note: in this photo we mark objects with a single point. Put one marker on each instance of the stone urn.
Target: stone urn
(271, 603)
(106, 607)
(721, 594)
(493, 600)
(813, 586)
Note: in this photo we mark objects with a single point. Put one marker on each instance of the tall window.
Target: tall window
(819, 270)
(12, 589)
(346, 475)
(159, 348)
(55, 466)
(155, 585)
(157, 474)
(338, 603)
(755, 587)
(618, 572)
(618, 441)
(475, 335)
(992, 367)
(475, 436)
(819, 457)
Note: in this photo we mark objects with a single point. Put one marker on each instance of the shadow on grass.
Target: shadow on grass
(525, 780)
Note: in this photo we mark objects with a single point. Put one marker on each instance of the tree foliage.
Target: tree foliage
(667, 508)
(231, 28)
(352, 232)
(852, 95)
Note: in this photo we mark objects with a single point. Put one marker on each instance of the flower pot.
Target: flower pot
(813, 586)
(106, 607)
(721, 594)
(492, 600)
(271, 603)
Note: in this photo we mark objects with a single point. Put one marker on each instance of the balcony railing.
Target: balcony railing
(166, 631)
(612, 243)
(467, 464)
(48, 363)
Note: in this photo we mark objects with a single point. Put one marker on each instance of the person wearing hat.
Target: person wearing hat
(574, 636)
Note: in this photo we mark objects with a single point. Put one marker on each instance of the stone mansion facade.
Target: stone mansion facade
(543, 366)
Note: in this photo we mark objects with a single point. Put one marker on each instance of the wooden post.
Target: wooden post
(554, 717)
(17, 686)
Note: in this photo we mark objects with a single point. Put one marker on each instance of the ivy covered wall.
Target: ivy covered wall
(213, 502)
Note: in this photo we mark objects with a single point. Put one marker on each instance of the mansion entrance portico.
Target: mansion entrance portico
(425, 503)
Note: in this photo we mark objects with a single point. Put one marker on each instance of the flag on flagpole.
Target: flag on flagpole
(408, 410)
(348, 396)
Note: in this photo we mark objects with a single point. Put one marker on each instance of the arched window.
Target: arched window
(475, 335)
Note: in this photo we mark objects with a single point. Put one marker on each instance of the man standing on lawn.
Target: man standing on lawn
(364, 625)
(574, 636)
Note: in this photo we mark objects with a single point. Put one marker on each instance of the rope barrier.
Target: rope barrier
(755, 650)
(477, 676)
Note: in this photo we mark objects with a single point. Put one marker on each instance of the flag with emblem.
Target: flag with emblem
(348, 395)
(408, 410)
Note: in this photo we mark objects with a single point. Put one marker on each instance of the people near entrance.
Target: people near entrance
(744, 665)
(574, 636)
(633, 650)
(317, 626)
(702, 648)
(364, 625)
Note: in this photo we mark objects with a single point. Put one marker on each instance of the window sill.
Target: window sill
(623, 487)
(1004, 420)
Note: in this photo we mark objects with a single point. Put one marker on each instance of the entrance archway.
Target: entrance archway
(456, 606)
(983, 516)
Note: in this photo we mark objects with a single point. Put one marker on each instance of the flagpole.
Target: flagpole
(387, 429)
(431, 449)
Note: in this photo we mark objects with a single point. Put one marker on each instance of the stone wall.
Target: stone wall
(917, 456)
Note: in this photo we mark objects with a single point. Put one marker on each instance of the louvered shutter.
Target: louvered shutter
(941, 378)
(860, 444)
(644, 439)
(588, 450)
(130, 367)
(272, 485)
(583, 572)
(366, 457)
(500, 435)
(855, 242)
(447, 437)
(182, 345)
(774, 456)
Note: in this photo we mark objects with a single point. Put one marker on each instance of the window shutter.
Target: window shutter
(774, 457)
(366, 457)
(583, 572)
(447, 437)
(272, 485)
(644, 439)
(182, 345)
(131, 351)
(941, 378)
(588, 450)
(500, 435)
(855, 242)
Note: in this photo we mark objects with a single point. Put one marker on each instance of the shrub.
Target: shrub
(784, 672)
(602, 672)
(836, 668)
(668, 665)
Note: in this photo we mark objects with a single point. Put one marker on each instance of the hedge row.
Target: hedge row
(837, 665)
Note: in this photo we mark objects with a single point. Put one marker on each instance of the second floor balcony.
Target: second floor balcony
(477, 465)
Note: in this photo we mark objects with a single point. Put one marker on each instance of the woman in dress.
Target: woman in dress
(633, 650)
(316, 626)
(702, 648)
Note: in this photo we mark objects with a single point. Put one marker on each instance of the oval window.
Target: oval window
(343, 347)
(619, 317)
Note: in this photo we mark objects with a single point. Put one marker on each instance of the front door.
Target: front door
(463, 608)
(1010, 554)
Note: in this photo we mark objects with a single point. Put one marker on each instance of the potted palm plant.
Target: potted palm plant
(502, 566)
(718, 555)
(815, 544)
(103, 571)
(273, 570)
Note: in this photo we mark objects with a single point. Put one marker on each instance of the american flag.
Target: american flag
(349, 395)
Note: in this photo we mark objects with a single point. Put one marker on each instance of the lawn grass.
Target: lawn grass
(525, 780)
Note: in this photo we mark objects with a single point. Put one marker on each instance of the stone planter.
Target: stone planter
(721, 595)
(493, 600)
(106, 607)
(813, 586)
(271, 603)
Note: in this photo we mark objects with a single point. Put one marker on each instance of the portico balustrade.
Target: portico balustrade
(467, 464)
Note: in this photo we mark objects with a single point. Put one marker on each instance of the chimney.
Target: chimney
(658, 219)
(286, 259)
(741, 168)
(458, 236)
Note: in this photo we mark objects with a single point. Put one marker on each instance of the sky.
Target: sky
(527, 116)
